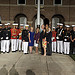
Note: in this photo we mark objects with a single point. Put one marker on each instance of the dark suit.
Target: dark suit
(41, 37)
(49, 45)
(72, 43)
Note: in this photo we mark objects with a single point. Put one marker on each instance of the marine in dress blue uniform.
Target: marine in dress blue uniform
(0, 35)
(6, 38)
(25, 39)
(67, 40)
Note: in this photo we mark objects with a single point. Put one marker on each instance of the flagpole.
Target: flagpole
(38, 14)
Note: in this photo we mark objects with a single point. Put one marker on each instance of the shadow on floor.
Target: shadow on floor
(3, 70)
(13, 71)
(54, 68)
(30, 72)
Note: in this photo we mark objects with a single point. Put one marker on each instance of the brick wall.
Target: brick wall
(30, 10)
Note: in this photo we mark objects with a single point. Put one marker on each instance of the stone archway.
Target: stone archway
(57, 18)
(20, 19)
(34, 23)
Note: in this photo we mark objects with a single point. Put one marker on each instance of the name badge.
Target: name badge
(6, 37)
(65, 39)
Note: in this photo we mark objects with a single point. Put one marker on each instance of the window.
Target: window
(23, 20)
(55, 20)
(21, 1)
(41, 2)
(57, 2)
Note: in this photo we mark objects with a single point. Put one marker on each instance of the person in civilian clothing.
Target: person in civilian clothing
(36, 39)
(42, 27)
(72, 36)
(54, 40)
(13, 37)
(20, 36)
(25, 39)
(44, 42)
(49, 42)
(42, 50)
(67, 40)
(47, 27)
(6, 38)
(31, 39)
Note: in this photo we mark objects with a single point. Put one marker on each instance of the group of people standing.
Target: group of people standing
(59, 39)
(14, 38)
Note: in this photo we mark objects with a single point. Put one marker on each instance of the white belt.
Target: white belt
(65, 39)
(1, 38)
(57, 37)
(6, 37)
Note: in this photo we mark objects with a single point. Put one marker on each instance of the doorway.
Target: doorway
(20, 19)
(34, 23)
(57, 19)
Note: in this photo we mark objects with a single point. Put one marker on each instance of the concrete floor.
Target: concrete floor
(33, 64)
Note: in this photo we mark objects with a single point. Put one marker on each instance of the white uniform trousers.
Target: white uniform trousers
(20, 44)
(6, 45)
(13, 44)
(66, 47)
(60, 46)
(9, 43)
(17, 44)
(25, 47)
(2, 45)
(54, 46)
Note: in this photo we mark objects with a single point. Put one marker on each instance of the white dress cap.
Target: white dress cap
(6, 24)
(21, 24)
(15, 24)
(0, 24)
(26, 25)
(67, 26)
(53, 27)
(61, 24)
(58, 23)
(73, 25)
